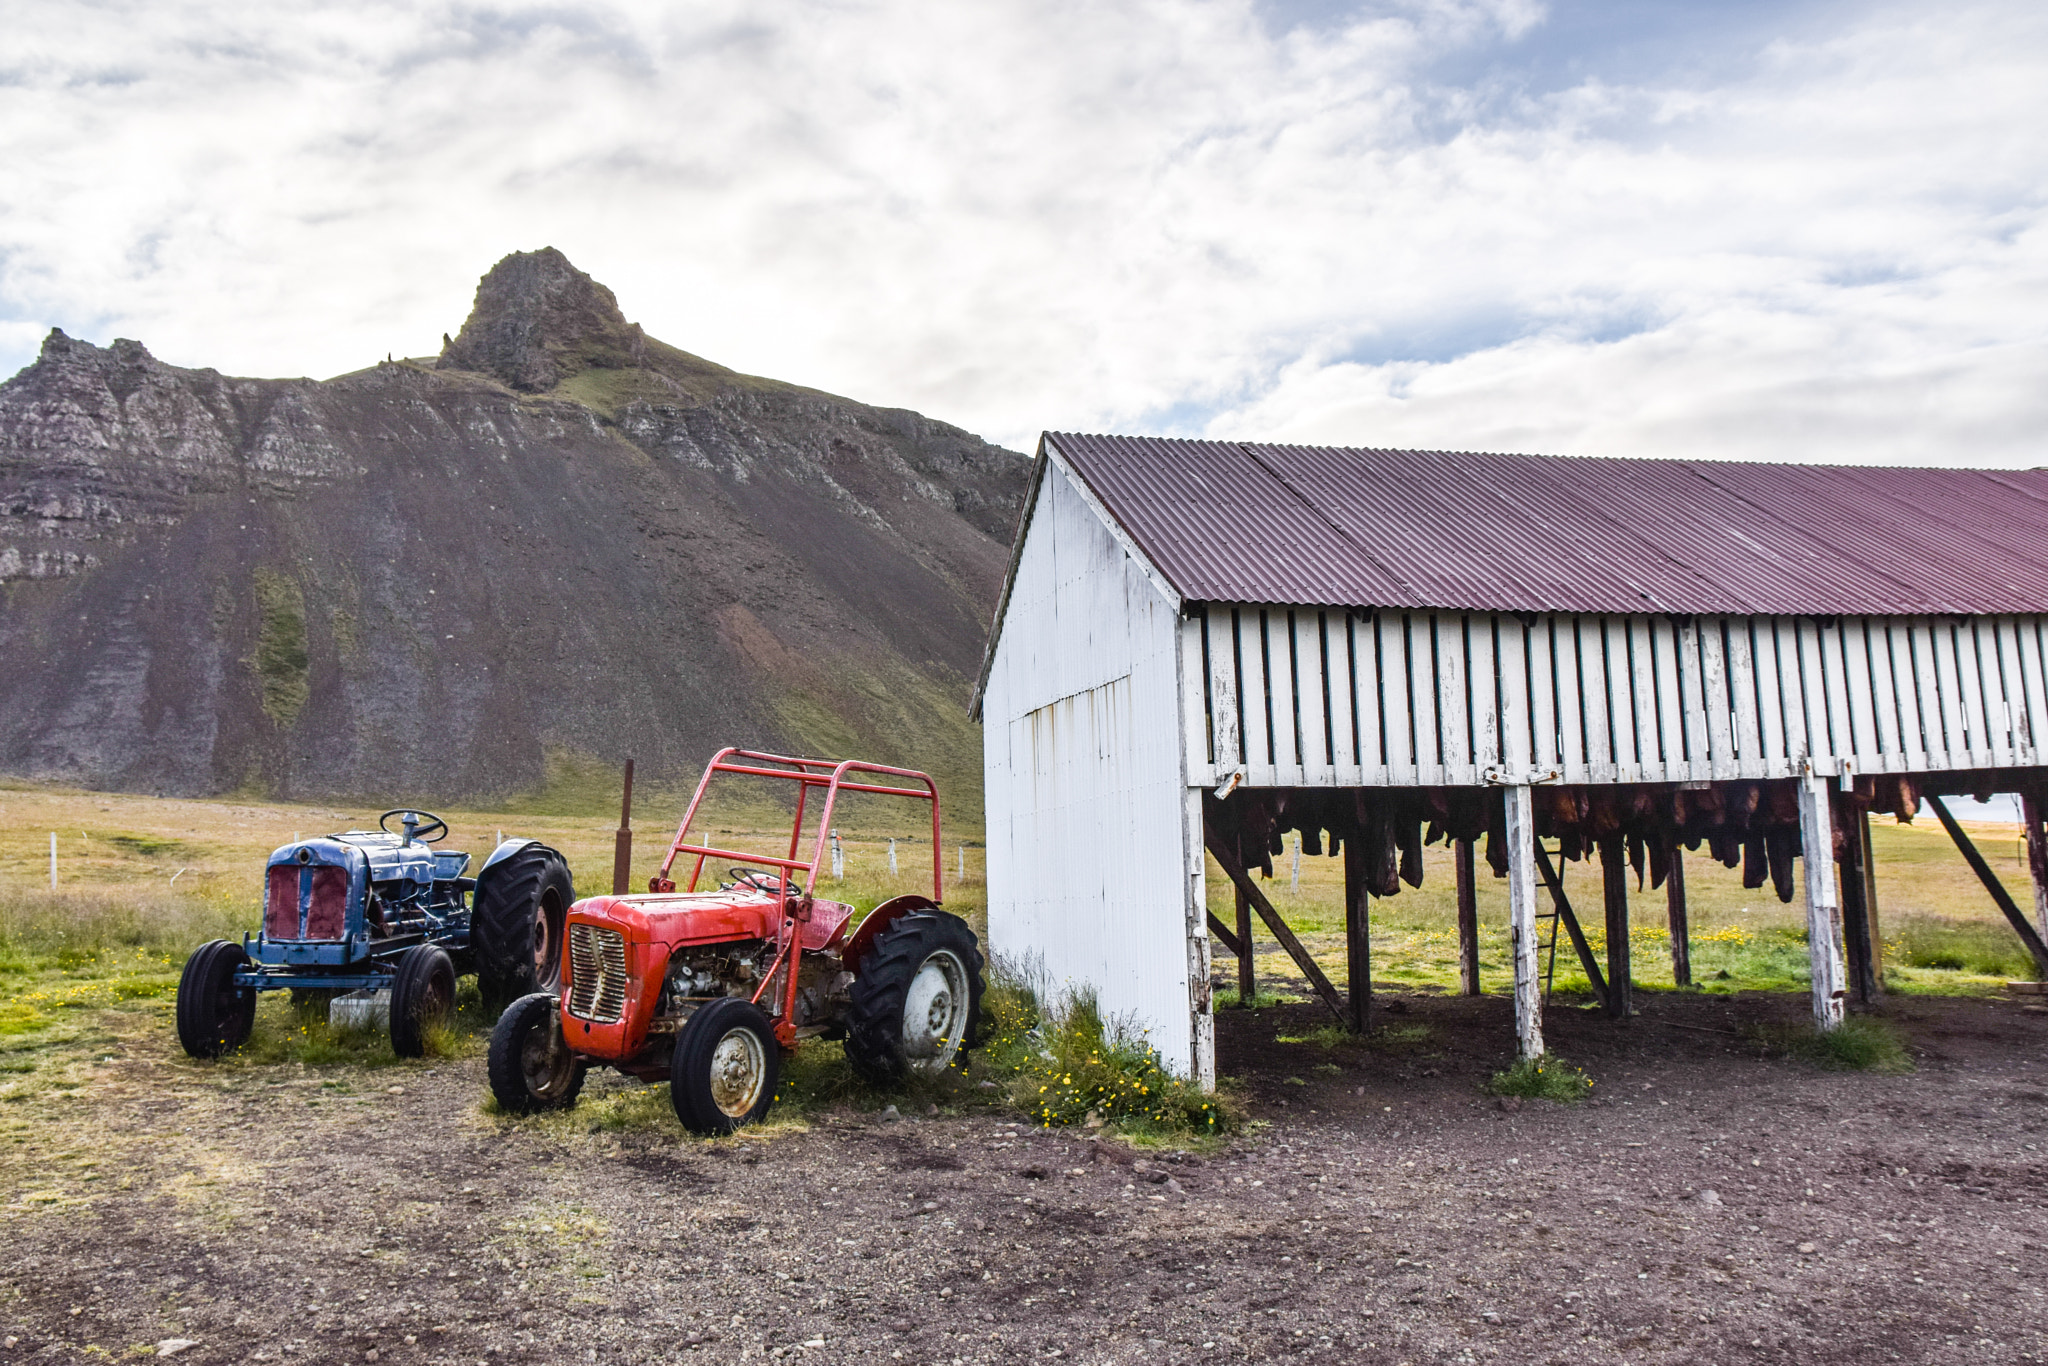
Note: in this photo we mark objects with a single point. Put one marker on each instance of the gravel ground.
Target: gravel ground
(1708, 1205)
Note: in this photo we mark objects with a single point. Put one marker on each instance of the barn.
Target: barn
(1201, 646)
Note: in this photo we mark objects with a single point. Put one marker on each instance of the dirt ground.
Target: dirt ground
(1708, 1205)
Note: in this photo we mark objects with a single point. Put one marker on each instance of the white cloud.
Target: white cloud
(1166, 214)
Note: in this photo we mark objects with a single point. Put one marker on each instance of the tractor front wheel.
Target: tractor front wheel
(531, 1066)
(422, 998)
(914, 1000)
(214, 1014)
(516, 928)
(724, 1068)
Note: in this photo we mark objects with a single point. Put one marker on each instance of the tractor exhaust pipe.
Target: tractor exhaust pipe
(622, 847)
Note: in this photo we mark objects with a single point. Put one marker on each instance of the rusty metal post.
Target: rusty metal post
(1468, 919)
(622, 845)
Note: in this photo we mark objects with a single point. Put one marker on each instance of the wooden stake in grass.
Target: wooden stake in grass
(53, 860)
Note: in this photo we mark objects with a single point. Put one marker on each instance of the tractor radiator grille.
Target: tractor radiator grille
(597, 973)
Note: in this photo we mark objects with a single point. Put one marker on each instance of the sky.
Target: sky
(1802, 230)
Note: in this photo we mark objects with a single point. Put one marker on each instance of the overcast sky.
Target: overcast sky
(1786, 231)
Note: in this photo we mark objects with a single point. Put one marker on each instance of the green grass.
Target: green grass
(1548, 1078)
(1860, 1043)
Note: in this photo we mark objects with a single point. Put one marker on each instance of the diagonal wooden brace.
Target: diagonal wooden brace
(1571, 924)
(1223, 934)
(1294, 948)
(2026, 932)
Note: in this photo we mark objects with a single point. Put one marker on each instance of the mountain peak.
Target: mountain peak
(538, 320)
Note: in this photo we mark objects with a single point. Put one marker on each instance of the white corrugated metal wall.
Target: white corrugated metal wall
(1303, 697)
(1088, 844)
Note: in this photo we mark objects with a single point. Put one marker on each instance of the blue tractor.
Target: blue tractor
(383, 911)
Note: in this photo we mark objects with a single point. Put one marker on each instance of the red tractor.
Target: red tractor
(707, 989)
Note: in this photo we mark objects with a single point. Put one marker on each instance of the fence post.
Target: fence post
(53, 860)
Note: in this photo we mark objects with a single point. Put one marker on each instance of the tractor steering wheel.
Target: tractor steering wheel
(429, 827)
(761, 881)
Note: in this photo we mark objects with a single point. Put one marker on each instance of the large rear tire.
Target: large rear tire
(214, 1014)
(725, 1066)
(531, 1066)
(912, 1007)
(517, 923)
(422, 998)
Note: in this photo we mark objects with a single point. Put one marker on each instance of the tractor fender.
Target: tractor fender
(880, 919)
(503, 852)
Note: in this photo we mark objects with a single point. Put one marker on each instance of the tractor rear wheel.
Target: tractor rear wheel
(531, 1066)
(915, 996)
(516, 927)
(214, 1014)
(723, 1071)
(422, 998)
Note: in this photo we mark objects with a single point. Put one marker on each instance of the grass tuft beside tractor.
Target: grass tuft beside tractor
(706, 989)
(381, 919)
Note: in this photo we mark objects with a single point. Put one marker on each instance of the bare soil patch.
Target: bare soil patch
(1384, 1211)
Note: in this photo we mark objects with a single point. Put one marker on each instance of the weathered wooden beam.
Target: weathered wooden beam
(2037, 854)
(2026, 932)
(1221, 932)
(1357, 936)
(1823, 909)
(1522, 852)
(1857, 932)
(1468, 919)
(1226, 859)
(1571, 926)
(1247, 960)
(1614, 896)
(1681, 920)
(1870, 901)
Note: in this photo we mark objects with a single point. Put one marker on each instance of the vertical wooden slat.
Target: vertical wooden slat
(1254, 706)
(1955, 740)
(1344, 746)
(1453, 706)
(1571, 707)
(1834, 689)
(1366, 674)
(1593, 693)
(1813, 684)
(1885, 692)
(2010, 690)
(1970, 691)
(1720, 713)
(1284, 713)
(1688, 656)
(1927, 683)
(1514, 680)
(1422, 697)
(1308, 680)
(1906, 687)
(1194, 702)
(1225, 695)
(1743, 690)
(1670, 712)
(1857, 695)
(2034, 687)
(1484, 687)
(1397, 715)
(1621, 705)
(1643, 686)
(1792, 691)
(1542, 697)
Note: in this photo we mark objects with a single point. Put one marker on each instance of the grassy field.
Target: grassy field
(1941, 932)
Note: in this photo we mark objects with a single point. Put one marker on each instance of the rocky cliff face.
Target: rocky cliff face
(561, 538)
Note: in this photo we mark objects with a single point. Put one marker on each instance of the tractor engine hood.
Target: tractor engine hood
(676, 919)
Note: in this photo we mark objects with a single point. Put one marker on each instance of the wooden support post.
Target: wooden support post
(1247, 964)
(1614, 893)
(1856, 930)
(622, 843)
(2026, 932)
(1521, 831)
(1823, 909)
(1870, 902)
(1590, 964)
(1468, 919)
(1357, 935)
(1681, 922)
(1227, 860)
(2037, 854)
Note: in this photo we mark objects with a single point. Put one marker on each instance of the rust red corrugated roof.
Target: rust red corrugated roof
(1248, 522)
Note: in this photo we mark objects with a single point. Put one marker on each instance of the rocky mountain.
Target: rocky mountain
(560, 542)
